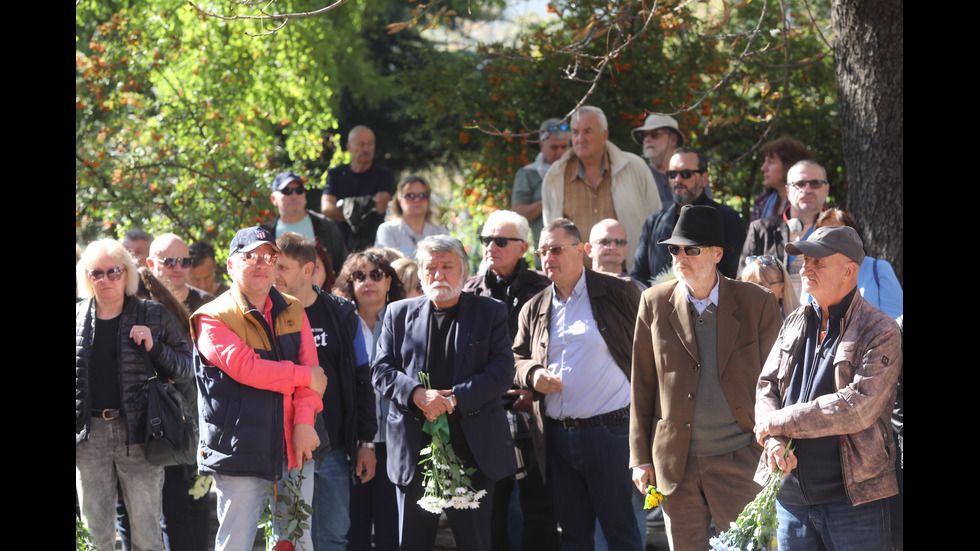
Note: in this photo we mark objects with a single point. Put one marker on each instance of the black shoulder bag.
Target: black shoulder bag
(170, 434)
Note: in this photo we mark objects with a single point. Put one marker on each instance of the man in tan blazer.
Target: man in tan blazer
(699, 346)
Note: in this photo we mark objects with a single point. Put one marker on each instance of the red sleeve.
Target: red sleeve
(223, 348)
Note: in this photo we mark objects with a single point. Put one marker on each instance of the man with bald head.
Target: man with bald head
(369, 185)
(829, 386)
(169, 261)
(806, 191)
(608, 251)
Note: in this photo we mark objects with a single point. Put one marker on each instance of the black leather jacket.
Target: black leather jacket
(171, 356)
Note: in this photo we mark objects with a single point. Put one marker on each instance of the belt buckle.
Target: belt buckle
(107, 412)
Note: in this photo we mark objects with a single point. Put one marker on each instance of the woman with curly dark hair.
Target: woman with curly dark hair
(371, 283)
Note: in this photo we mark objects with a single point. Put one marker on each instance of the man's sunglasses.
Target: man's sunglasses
(554, 251)
(114, 274)
(292, 190)
(171, 262)
(686, 173)
(689, 250)
(376, 274)
(254, 258)
(500, 241)
(802, 184)
(607, 241)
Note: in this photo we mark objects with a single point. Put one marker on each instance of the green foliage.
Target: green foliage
(482, 107)
(83, 539)
(181, 122)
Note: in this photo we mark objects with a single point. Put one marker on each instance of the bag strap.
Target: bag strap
(141, 320)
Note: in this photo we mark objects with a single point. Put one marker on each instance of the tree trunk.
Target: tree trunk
(869, 59)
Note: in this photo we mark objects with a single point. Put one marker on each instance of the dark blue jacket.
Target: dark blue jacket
(652, 258)
(483, 370)
(242, 426)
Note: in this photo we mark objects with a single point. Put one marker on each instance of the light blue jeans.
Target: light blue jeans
(100, 462)
(241, 500)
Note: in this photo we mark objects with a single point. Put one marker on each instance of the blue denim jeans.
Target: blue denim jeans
(588, 471)
(639, 500)
(102, 461)
(331, 502)
(837, 526)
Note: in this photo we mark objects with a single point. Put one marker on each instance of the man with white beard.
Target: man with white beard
(462, 342)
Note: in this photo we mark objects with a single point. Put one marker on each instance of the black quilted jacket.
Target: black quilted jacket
(171, 357)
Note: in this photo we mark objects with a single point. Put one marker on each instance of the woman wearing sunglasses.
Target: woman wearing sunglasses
(412, 218)
(111, 395)
(371, 283)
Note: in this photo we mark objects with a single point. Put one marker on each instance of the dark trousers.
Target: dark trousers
(417, 527)
(540, 527)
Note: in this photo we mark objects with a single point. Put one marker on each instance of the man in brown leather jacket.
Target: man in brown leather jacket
(829, 385)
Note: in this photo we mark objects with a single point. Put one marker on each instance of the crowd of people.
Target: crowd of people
(653, 343)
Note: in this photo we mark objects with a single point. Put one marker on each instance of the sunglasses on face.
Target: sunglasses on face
(172, 262)
(554, 251)
(688, 250)
(608, 241)
(802, 184)
(500, 241)
(376, 274)
(114, 274)
(267, 258)
(411, 196)
(292, 190)
(686, 173)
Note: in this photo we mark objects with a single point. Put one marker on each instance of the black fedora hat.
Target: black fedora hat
(698, 225)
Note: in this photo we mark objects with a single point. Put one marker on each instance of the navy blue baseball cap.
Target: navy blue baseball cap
(249, 239)
(284, 178)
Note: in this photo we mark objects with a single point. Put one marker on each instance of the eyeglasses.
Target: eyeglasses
(685, 173)
(376, 274)
(608, 241)
(500, 241)
(171, 262)
(292, 190)
(556, 250)
(688, 250)
(411, 196)
(254, 258)
(114, 274)
(802, 184)
(765, 259)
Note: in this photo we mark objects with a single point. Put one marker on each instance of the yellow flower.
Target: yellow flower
(654, 498)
